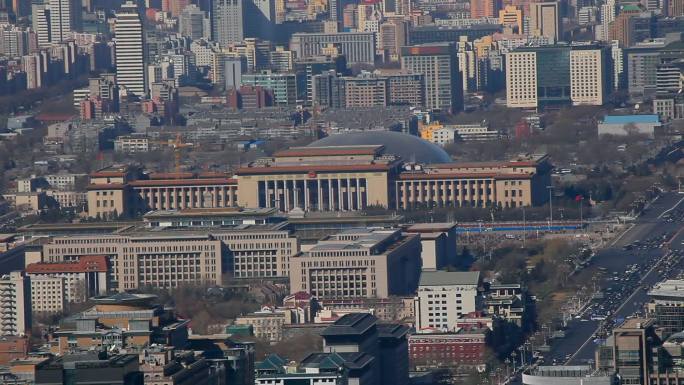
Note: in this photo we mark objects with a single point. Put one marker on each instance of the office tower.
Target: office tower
(391, 37)
(357, 47)
(227, 24)
(675, 8)
(550, 75)
(191, 22)
(65, 16)
(130, 56)
(41, 23)
(21, 8)
(484, 8)
(545, 20)
(622, 28)
(15, 304)
(633, 350)
(512, 17)
(175, 7)
(259, 18)
(32, 65)
(14, 41)
(439, 64)
(590, 75)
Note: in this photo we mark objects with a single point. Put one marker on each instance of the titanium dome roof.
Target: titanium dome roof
(410, 148)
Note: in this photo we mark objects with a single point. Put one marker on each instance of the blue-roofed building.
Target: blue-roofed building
(622, 125)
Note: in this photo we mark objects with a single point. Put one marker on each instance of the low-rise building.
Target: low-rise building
(510, 302)
(13, 347)
(358, 263)
(165, 366)
(623, 125)
(566, 375)
(443, 297)
(267, 324)
(317, 368)
(53, 285)
(87, 369)
(120, 321)
(448, 350)
(131, 144)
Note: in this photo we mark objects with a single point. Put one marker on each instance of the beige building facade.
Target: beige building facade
(322, 179)
(358, 263)
(521, 79)
(587, 76)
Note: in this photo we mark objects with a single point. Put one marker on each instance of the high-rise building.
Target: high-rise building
(675, 8)
(590, 75)
(175, 7)
(259, 18)
(41, 23)
(191, 22)
(545, 20)
(512, 17)
(484, 8)
(621, 29)
(227, 22)
(65, 16)
(15, 304)
(130, 55)
(391, 37)
(439, 64)
(559, 74)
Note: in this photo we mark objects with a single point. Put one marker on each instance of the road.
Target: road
(625, 292)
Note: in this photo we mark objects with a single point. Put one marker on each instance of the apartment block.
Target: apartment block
(15, 304)
(358, 263)
(53, 285)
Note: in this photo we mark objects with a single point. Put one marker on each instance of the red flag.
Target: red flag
(579, 198)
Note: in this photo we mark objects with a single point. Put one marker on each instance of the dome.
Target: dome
(410, 148)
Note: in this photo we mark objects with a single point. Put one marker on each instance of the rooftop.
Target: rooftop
(88, 263)
(448, 278)
(627, 119)
(351, 324)
(671, 289)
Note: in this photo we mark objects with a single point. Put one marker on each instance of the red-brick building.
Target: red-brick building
(447, 350)
(13, 347)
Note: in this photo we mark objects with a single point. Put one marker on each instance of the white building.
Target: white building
(132, 144)
(130, 57)
(15, 304)
(443, 297)
(53, 285)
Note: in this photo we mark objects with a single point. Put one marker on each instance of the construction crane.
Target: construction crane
(177, 145)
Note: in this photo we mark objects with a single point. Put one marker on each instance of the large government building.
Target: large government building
(345, 172)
